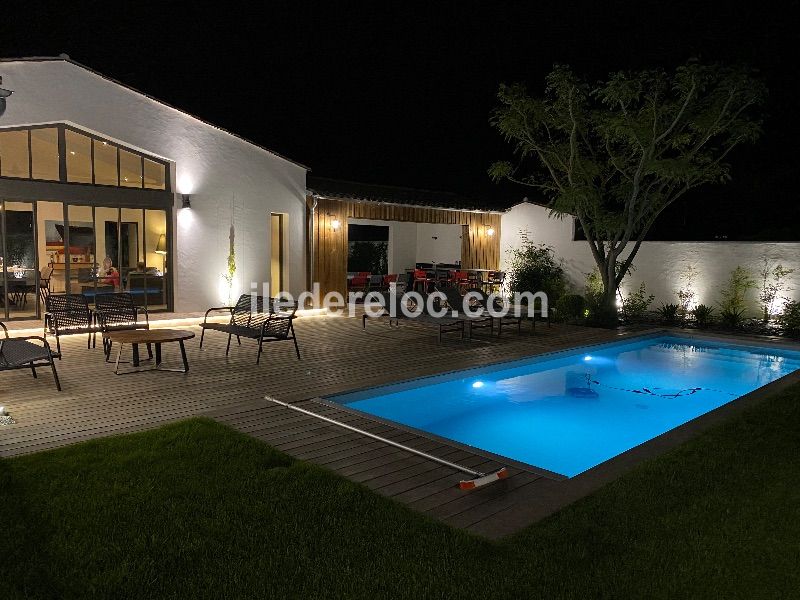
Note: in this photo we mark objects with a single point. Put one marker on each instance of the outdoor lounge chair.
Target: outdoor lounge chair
(22, 353)
(387, 299)
(250, 318)
(456, 303)
(69, 314)
(118, 312)
(517, 313)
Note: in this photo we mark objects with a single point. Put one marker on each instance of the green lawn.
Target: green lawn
(198, 510)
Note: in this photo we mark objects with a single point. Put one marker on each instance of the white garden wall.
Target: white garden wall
(224, 174)
(659, 264)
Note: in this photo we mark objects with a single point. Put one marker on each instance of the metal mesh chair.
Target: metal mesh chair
(22, 353)
(251, 318)
(118, 312)
(68, 314)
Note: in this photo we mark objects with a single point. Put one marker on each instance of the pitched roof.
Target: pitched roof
(370, 192)
(67, 59)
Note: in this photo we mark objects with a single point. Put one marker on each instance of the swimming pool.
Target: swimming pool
(570, 411)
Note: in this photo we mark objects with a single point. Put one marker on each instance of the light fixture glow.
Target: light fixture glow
(161, 246)
(490, 231)
(587, 358)
(335, 224)
(477, 384)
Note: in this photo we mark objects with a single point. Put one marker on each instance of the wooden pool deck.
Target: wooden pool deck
(337, 356)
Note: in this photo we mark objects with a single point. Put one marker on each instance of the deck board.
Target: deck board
(337, 356)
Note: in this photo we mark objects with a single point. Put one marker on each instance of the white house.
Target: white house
(104, 188)
(117, 166)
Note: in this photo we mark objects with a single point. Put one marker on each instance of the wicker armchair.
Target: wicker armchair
(250, 318)
(68, 314)
(22, 353)
(118, 312)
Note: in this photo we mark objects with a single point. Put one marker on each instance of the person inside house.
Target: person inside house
(109, 273)
(141, 268)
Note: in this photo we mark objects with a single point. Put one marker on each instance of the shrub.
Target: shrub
(570, 307)
(732, 317)
(534, 268)
(669, 313)
(734, 296)
(773, 283)
(686, 294)
(636, 303)
(703, 315)
(789, 319)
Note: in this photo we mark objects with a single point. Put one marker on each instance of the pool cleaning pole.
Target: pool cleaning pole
(380, 439)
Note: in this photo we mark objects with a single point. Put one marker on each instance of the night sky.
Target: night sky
(400, 94)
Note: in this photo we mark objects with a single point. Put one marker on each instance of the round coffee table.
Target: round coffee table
(135, 337)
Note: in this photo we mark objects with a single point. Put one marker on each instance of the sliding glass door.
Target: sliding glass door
(19, 280)
(55, 248)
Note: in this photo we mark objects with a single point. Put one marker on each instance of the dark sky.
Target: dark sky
(400, 93)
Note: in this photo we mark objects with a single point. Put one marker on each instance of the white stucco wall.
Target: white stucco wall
(223, 173)
(446, 248)
(659, 264)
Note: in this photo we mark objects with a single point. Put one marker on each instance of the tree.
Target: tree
(617, 153)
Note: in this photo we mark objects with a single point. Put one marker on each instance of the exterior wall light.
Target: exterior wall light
(490, 231)
(335, 224)
(186, 200)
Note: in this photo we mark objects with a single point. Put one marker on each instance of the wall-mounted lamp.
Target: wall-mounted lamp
(335, 224)
(490, 231)
(186, 201)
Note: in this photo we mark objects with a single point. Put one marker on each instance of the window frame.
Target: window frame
(61, 129)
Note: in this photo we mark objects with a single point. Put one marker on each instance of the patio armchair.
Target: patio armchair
(44, 283)
(118, 312)
(22, 353)
(392, 303)
(250, 318)
(69, 314)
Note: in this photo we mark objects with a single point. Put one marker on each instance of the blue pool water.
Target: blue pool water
(569, 412)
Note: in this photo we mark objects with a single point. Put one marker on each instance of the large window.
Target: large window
(33, 153)
(44, 153)
(14, 154)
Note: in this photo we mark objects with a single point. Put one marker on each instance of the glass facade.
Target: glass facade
(33, 153)
(96, 250)
(49, 246)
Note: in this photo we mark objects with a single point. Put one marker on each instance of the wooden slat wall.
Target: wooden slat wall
(478, 250)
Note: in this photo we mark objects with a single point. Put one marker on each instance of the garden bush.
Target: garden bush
(535, 268)
(669, 313)
(789, 319)
(570, 307)
(734, 297)
(703, 315)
